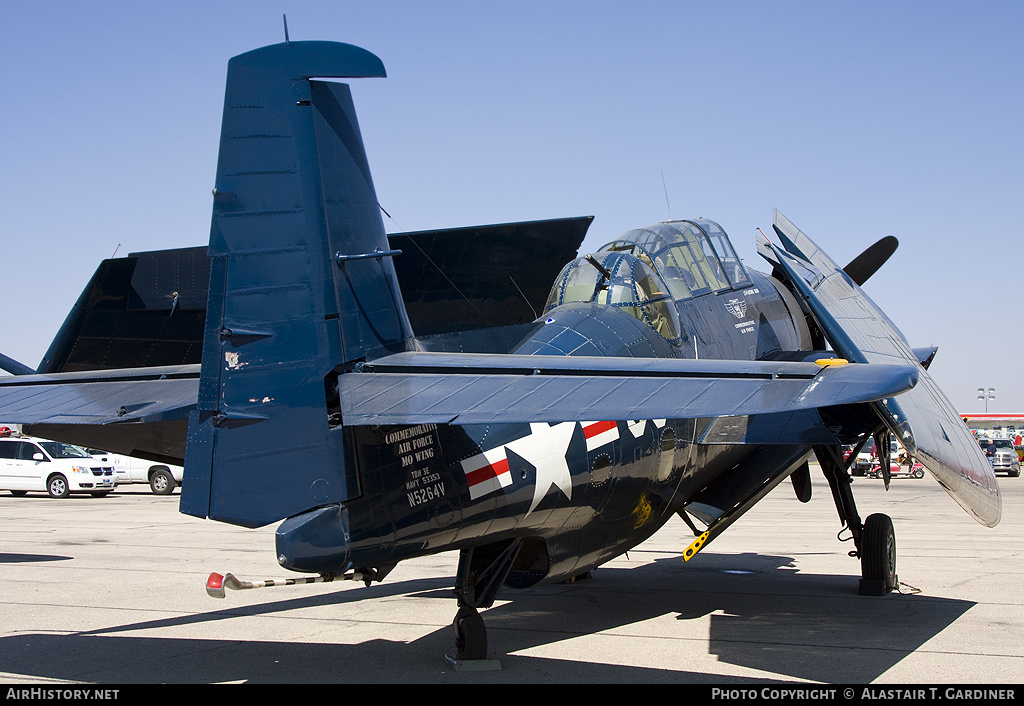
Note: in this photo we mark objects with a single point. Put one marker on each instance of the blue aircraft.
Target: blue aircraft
(385, 398)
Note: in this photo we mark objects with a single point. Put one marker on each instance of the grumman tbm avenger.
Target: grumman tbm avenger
(385, 398)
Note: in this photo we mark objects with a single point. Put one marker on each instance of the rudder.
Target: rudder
(301, 283)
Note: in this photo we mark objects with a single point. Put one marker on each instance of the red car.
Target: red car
(897, 470)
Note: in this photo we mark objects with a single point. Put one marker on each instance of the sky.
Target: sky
(856, 120)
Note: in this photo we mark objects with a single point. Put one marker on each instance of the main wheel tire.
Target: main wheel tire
(878, 551)
(57, 486)
(470, 635)
(19, 493)
(162, 482)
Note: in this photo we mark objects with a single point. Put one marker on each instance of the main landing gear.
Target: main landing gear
(875, 539)
(470, 635)
(482, 570)
(877, 556)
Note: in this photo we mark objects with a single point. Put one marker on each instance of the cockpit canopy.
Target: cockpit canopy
(646, 270)
(694, 257)
(620, 280)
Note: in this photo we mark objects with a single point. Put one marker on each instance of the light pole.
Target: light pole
(990, 395)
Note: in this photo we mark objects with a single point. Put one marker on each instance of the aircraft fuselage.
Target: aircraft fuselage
(578, 493)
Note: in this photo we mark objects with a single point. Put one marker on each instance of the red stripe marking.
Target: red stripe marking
(597, 428)
(487, 472)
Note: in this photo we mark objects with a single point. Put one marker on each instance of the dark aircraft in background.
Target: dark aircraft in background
(390, 397)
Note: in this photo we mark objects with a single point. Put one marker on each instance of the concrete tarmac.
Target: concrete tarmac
(112, 591)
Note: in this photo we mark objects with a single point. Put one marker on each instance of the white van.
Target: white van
(163, 478)
(30, 464)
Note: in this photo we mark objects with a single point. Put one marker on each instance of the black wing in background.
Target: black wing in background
(460, 279)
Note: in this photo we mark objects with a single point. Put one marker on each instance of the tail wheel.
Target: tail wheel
(878, 553)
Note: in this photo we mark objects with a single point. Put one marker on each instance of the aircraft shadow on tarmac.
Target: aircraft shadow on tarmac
(763, 614)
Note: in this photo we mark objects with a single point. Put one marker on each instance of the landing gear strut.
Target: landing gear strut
(482, 570)
(875, 539)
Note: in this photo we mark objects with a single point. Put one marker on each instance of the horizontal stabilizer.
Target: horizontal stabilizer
(140, 411)
(100, 397)
(923, 419)
(419, 388)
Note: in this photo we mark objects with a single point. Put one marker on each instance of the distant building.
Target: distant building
(995, 425)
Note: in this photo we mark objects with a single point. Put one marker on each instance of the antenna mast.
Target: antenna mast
(665, 187)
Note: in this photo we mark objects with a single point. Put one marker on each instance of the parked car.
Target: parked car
(865, 459)
(163, 478)
(1001, 455)
(30, 464)
(868, 457)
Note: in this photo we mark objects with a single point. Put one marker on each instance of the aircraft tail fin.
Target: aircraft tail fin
(301, 278)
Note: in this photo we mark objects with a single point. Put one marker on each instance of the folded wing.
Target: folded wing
(923, 419)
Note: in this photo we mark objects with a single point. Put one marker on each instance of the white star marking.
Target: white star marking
(545, 449)
(638, 428)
